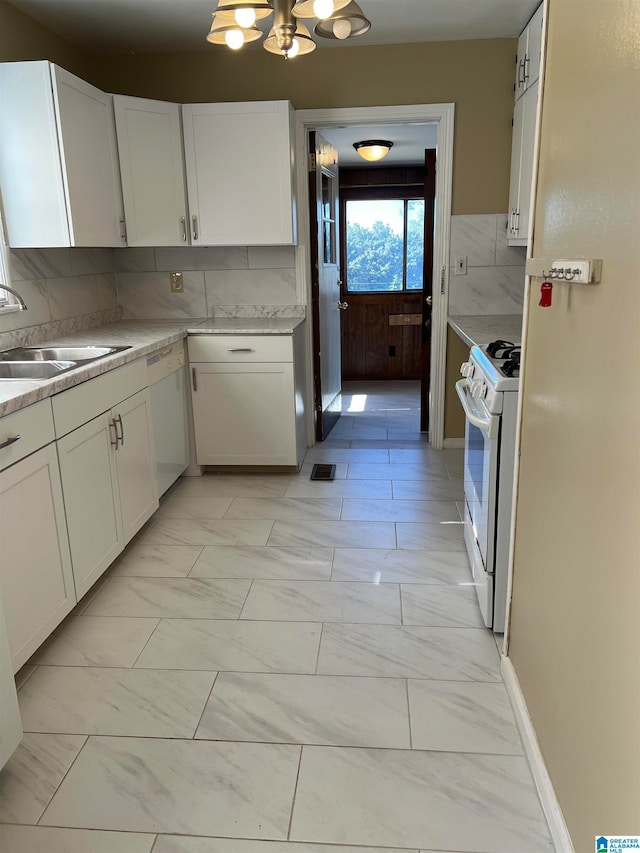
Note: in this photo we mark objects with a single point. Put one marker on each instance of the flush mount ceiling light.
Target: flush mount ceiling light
(373, 149)
(234, 23)
(344, 23)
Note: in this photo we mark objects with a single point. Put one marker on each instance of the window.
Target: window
(384, 245)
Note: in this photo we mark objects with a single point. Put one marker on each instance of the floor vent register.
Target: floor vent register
(323, 472)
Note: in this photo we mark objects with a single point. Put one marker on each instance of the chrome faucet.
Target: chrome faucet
(21, 302)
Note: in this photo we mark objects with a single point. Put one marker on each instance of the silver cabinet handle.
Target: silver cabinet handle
(112, 426)
(343, 306)
(10, 441)
(516, 221)
(521, 76)
(183, 222)
(241, 349)
(525, 76)
(120, 436)
(194, 378)
(194, 220)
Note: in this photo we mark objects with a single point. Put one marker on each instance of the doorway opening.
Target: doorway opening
(440, 116)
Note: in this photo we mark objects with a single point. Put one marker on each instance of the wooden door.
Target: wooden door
(89, 153)
(152, 169)
(135, 462)
(35, 566)
(325, 284)
(92, 502)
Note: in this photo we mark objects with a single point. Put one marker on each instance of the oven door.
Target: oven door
(481, 454)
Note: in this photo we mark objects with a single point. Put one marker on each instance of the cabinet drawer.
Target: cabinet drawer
(78, 405)
(34, 425)
(240, 348)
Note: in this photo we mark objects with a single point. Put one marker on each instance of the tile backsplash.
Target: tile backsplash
(494, 283)
(64, 290)
(230, 281)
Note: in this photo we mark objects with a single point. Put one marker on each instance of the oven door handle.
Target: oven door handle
(488, 424)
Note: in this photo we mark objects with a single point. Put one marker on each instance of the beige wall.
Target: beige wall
(476, 75)
(23, 38)
(575, 630)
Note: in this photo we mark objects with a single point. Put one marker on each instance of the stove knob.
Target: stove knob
(476, 388)
(465, 368)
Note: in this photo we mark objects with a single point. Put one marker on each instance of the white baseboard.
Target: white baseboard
(550, 805)
(453, 443)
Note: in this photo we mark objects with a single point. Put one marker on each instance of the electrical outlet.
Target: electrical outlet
(461, 265)
(177, 285)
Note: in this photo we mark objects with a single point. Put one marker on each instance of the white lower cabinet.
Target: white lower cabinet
(109, 485)
(247, 400)
(92, 499)
(36, 581)
(107, 466)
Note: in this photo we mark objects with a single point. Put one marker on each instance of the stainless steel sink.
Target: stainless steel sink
(80, 354)
(47, 362)
(34, 369)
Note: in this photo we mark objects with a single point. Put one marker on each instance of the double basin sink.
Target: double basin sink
(47, 362)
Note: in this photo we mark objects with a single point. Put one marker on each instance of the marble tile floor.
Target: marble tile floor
(277, 665)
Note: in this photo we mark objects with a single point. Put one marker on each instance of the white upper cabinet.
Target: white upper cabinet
(152, 170)
(59, 171)
(529, 52)
(239, 161)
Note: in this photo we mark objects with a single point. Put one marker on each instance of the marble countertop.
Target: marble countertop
(483, 328)
(143, 336)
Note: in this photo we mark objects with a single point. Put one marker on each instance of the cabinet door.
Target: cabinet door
(36, 582)
(244, 414)
(33, 193)
(529, 111)
(92, 503)
(516, 157)
(135, 462)
(152, 170)
(521, 61)
(89, 156)
(10, 725)
(534, 48)
(239, 173)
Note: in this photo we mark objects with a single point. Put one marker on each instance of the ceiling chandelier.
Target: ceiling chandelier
(234, 23)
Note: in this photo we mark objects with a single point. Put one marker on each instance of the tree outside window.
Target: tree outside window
(384, 245)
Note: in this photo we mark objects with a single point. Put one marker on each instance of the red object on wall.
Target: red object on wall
(545, 294)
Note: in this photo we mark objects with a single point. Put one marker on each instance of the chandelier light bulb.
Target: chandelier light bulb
(342, 28)
(245, 17)
(234, 38)
(294, 50)
(323, 8)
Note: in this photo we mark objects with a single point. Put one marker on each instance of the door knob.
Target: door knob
(343, 305)
(429, 300)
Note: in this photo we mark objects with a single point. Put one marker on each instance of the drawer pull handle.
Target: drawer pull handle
(183, 222)
(194, 378)
(194, 220)
(120, 436)
(241, 349)
(10, 441)
(114, 440)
